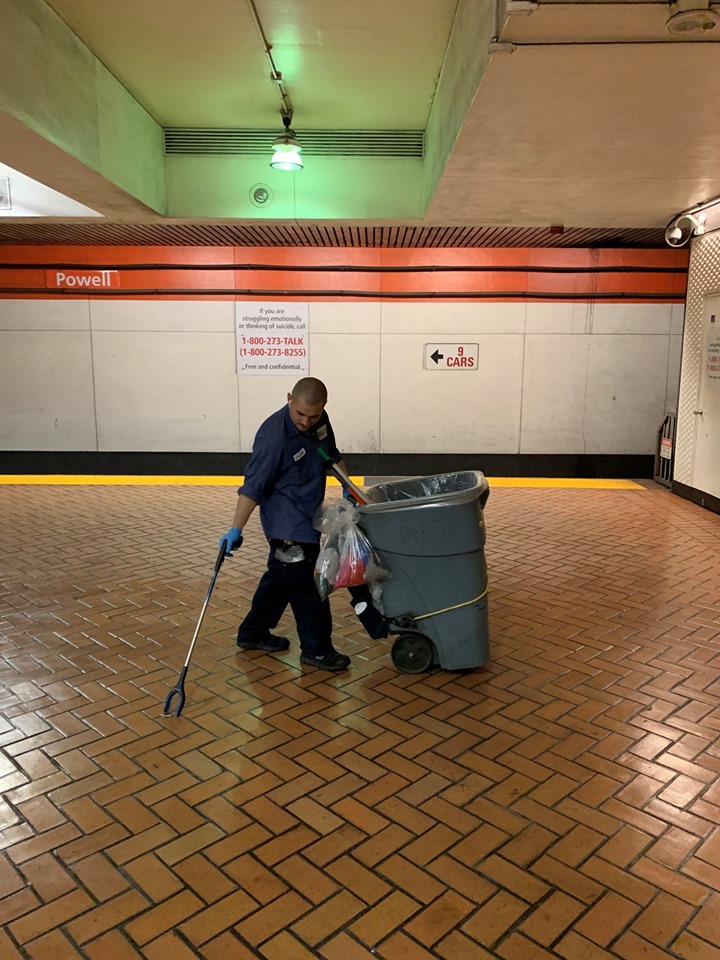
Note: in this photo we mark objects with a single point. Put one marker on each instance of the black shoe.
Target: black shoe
(271, 644)
(328, 661)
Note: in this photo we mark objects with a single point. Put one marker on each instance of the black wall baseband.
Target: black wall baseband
(702, 499)
(586, 466)
(95, 293)
(337, 268)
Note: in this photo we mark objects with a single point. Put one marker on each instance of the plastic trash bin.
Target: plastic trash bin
(429, 533)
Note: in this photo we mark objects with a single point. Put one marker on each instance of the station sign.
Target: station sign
(451, 356)
(82, 279)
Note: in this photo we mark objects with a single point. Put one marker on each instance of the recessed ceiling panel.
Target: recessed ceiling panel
(368, 65)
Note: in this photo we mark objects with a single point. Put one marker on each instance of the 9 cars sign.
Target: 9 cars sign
(451, 356)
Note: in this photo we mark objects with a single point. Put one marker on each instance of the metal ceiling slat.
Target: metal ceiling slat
(289, 235)
(469, 236)
(524, 237)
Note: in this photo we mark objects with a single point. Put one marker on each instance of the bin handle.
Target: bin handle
(465, 603)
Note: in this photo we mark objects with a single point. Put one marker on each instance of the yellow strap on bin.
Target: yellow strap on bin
(457, 606)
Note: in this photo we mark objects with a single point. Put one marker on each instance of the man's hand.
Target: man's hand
(232, 540)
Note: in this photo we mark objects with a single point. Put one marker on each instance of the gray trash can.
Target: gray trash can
(429, 533)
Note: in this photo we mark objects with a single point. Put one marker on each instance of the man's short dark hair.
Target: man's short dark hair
(311, 390)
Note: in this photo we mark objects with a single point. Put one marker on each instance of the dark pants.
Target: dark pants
(294, 584)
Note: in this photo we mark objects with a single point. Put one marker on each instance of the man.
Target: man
(286, 478)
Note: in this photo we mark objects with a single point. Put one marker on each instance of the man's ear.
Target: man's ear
(289, 397)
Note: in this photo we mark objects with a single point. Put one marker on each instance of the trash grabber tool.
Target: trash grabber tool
(179, 687)
(344, 478)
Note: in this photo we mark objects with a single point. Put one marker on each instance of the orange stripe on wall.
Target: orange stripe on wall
(486, 274)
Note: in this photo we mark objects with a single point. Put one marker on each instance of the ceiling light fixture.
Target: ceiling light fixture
(286, 148)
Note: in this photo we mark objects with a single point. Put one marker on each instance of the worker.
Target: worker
(286, 478)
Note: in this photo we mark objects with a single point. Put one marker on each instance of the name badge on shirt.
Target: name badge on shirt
(300, 454)
(322, 432)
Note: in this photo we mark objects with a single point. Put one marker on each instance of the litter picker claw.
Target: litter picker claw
(179, 688)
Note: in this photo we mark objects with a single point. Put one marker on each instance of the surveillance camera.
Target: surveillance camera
(683, 228)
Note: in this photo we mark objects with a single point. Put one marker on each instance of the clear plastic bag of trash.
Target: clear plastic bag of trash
(346, 558)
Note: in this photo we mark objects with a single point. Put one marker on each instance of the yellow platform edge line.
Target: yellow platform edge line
(107, 480)
(565, 482)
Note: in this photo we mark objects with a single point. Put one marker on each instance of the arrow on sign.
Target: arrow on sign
(437, 356)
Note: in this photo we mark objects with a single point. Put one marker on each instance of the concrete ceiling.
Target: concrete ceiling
(368, 65)
(582, 114)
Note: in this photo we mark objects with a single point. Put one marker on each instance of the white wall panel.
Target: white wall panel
(165, 376)
(345, 317)
(677, 321)
(557, 317)
(458, 318)
(196, 316)
(166, 391)
(259, 397)
(648, 318)
(46, 391)
(627, 380)
(349, 366)
(553, 402)
(447, 411)
(673, 377)
(69, 314)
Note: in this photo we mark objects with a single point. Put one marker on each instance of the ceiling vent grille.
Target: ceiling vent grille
(217, 141)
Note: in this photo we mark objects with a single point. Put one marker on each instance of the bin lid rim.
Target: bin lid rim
(435, 499)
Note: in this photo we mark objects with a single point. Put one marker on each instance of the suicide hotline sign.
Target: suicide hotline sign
(271, 339)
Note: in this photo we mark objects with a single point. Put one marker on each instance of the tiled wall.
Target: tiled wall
(703, 282)
(159, 375)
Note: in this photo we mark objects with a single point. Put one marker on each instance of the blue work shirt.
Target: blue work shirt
(286, 475)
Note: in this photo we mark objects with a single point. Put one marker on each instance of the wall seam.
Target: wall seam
(92, 374)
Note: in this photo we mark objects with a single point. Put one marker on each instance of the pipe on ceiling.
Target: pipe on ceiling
(275, 75)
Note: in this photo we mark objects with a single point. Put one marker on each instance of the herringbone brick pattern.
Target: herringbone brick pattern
(562, 802)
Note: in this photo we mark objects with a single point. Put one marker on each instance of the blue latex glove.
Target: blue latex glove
(232, 540)
(346, 493)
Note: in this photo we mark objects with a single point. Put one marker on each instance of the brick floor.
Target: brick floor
(562, 802)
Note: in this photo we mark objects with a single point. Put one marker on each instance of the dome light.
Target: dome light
(691, 18)
(286, 149)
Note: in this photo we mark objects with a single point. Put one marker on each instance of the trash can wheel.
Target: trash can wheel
(412, 653)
